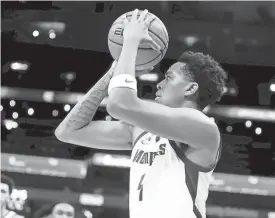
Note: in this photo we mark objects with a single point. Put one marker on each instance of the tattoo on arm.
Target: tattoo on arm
(84, 111)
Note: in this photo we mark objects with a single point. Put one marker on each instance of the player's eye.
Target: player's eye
(167, 77)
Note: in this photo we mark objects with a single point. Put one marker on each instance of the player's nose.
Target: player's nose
(159, 85)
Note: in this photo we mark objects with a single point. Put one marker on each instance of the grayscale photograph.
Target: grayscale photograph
(137, 109)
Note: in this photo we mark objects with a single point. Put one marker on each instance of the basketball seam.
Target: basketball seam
(150, 60)
(118, 22)
(161, 53)
(138, 48)
(162, 41)
(165, 46)
(159, 38)
(164, 31)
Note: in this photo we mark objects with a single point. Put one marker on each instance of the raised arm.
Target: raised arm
(83, 112)
(78, 127)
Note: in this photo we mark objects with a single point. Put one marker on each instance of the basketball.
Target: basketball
(147, 57)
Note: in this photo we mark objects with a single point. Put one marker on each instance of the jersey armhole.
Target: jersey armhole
(184, 159)
(139, 137)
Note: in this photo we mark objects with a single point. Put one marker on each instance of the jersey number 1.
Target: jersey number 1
(140, 187)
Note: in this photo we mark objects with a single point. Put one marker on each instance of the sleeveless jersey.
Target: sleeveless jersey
(164, 183)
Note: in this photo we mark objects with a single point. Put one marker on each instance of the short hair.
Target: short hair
(7, 180)
(209, 75)
(62, 204)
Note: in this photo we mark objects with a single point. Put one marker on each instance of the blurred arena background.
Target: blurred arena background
(53, 52)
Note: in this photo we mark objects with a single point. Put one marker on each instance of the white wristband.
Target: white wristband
(122, 80)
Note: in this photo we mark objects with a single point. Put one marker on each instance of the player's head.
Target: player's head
(6, 187)
(63, 210)
(195, 79)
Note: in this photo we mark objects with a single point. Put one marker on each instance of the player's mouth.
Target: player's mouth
(157, 96)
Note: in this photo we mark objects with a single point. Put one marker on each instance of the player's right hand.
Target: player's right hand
(136, 30)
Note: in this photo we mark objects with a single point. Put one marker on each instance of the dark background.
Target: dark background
(238, 34)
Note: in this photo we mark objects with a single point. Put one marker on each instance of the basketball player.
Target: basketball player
(175, 147)
(6, 190)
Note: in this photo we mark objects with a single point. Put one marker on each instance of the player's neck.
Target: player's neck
(191, 104)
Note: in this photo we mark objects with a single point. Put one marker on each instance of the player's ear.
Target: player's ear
(191, 88)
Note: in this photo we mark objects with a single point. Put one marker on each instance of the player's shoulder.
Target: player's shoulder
(209, 120)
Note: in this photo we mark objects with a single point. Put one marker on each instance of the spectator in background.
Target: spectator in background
(63, 210)
(6, 187)
(60, 210)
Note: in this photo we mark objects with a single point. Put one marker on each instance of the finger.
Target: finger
(135, 14)
(153, 44)
(150, 19)
(143, 15)
(125, 19)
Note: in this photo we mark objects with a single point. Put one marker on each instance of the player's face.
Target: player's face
(63, 211)
(5, 193)
(171, 89)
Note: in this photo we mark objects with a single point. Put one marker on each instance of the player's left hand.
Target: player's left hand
(136, 30)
